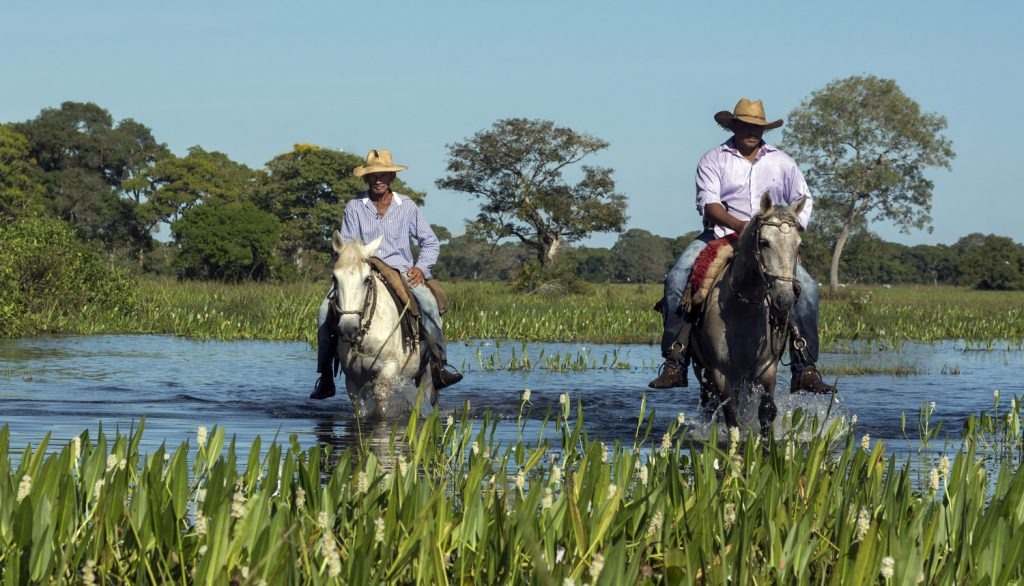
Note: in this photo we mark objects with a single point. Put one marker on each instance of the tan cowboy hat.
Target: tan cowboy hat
(751, 112)
(378, 161)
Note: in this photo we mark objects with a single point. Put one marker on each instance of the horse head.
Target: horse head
(355, 293)
(773, 238)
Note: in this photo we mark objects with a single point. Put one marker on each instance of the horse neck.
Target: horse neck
(745, 270)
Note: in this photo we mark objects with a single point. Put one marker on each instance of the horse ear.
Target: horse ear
(798, 206)
(336, 242)
(766, 202)
(373, 245)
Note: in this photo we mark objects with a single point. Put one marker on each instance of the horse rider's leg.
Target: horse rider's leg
(803, 348)
(430, 319)
(326, 348)
(676, 331)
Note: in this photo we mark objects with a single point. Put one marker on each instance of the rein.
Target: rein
(369, 306)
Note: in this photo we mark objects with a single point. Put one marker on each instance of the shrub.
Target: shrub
(45, 270)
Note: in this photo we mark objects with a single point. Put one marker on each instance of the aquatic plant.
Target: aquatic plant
(612, 314)
(441, 502)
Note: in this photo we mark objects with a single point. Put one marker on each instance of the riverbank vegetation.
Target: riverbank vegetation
(441, 502)
(613, 314)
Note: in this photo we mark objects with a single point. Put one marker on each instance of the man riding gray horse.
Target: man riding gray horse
(381, 212)
(730, 181)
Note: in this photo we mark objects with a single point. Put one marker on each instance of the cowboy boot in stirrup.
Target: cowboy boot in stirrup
(444, 375)
(672, 373)
(809, 379)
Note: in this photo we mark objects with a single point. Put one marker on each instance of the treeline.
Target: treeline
(116, 186)
(977, 260)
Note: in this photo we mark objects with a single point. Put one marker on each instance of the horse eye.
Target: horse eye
(764, 243)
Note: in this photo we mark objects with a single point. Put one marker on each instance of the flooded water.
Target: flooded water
(65, 385)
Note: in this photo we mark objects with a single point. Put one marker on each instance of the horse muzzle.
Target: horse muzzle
(782, 296)
(348, 327)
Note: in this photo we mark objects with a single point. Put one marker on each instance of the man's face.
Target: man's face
(379, 183)
(747, 136)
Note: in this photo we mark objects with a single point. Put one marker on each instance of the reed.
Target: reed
(442, 502)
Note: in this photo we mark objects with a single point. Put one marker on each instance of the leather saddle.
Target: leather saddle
(404, 299)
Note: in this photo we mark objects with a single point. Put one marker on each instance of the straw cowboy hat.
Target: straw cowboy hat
(378, 161)
(751, 112)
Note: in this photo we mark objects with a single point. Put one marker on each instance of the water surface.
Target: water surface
(66, 384)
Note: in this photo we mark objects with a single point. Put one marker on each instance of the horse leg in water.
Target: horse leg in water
(725, 393)
(363, 401)
(767, 410)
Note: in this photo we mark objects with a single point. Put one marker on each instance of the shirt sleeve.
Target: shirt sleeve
(350, 223)
(430, 246)
(709, 182)
(798, 189)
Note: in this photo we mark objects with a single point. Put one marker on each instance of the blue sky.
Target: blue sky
(253, 78)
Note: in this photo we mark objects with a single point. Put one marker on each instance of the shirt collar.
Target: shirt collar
(396, 198)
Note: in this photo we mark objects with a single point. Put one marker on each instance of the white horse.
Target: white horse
(742, 329)
(382, 369)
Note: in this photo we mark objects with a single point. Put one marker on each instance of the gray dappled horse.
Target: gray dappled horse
(382, 369)
(741, 331)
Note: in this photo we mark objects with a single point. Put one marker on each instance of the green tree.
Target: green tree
(228, 240)
(864, 146)
(996, 263)
(641, 257)
(307, 189)
(87, 159)
(176, 184)
(173, 185)
(593, 265)
(21, 186)
(515, 167)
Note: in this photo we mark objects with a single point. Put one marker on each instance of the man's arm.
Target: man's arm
(430, 246)
(798, 189)
(350, 224)
(716, 213)
(709, 195)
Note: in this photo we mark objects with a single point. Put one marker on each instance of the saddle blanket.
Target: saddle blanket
(710, 262)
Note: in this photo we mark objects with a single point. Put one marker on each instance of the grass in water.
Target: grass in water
(443, 503)
(611, 314)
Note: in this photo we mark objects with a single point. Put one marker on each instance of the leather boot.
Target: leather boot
(324, 387)
(809, 379)
(444, 375)
(671, 375)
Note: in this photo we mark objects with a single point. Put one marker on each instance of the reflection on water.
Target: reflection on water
(64, 385)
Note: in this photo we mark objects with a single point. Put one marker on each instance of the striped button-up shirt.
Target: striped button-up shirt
(724, 176)
(401, 223)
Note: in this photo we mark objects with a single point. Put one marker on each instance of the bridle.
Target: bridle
(365, 313)
(778, 323)
(768, 278)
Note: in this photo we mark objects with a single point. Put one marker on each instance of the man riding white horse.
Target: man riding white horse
(382, 212)
(730, 181)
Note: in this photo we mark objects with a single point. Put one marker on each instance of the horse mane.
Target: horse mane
(351, 254)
